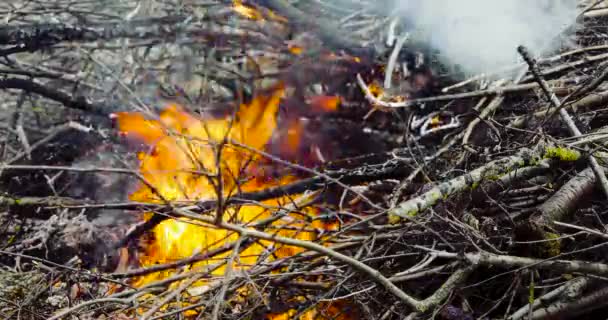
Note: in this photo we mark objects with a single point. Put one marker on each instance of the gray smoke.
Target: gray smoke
(482, 35)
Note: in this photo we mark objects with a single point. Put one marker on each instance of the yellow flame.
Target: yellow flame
(251, 13)
(182, 164)
(246, 11)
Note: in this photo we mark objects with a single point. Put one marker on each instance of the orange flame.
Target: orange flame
(324, 103)
(182, 164)
(246, 11)
(251, 13)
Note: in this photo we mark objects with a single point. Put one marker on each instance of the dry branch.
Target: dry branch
(450, 97)
(506, 261)
(417, 305)
(80, 103)
(547, 298)
(567, 198)
(416, 205)
(597, 169)
(586, 303)
(37, 36)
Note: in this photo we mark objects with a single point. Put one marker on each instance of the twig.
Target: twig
(597, 169)
(50, 136)
(219, 305)
(372, 273)
(390, 37)
(385, 169)
(177, 291)
(80, 103)
(548, 297)
(513, 68)
(586, 88)
(506, 261)
(35, 36)
(446, 289)
(209, 254)
(587, 303)
(126, 301)
(400, 277)
(591, 101)
(587, 230)
(421, 306)
(392, 60)
(398, 191)
(490, 108)
(447, 97)
(61, 266)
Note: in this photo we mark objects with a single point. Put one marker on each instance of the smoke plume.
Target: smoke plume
(482, 35)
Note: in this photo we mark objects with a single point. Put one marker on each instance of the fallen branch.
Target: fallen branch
(51, 33)
(79, 103)
(591, 101)
(567, 198)
(506, 261)
(544, 300)
(412, 207)
(572, 308)
(566, 118)
(447, 97)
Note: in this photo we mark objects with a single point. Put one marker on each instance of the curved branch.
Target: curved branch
(80, 103)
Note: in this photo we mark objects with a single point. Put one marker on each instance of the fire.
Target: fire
(324, 103)
(252, 13)
(188, 157)
(246, 11)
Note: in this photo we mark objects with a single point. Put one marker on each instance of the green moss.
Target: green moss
(435, 196)
(562, 154)
(535, 160)
(553, 245)
(531, 292)
(394, 219)
(493, 177)
(475, 185)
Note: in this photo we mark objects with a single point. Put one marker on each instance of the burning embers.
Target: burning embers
(190, 158)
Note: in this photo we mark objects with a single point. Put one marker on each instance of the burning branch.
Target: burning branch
(420, 306)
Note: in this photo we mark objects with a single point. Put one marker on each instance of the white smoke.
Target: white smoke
(483, 35)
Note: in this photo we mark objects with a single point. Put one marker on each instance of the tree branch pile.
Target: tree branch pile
(450, 196)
